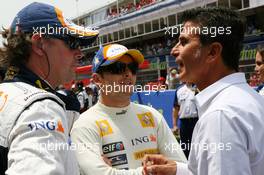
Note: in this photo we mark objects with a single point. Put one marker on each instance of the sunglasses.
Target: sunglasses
(119, 68)
(71, 42)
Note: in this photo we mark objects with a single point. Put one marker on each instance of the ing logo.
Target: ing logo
(3, 100)
(104, 127)
(47, 125)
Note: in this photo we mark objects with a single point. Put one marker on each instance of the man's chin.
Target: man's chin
(182, 77)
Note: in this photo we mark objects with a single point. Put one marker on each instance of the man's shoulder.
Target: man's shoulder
(238, 100)
(137, 106)
(81, 93)
(18, 96)
(240, 95)
(25, 91)
(89, 120)
(181, 88)
(89, 116)
(142, 109)
(182, 92)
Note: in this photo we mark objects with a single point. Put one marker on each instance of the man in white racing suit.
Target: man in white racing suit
(34, 124)
(116, 128)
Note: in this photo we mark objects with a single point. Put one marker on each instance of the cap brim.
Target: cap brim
(86, 35)
(135, 54)
(85, 41)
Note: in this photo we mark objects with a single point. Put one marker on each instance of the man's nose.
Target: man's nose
(175, 51)
(78, 54)
(127, 72)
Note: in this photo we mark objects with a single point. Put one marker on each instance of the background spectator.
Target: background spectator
(173, 79)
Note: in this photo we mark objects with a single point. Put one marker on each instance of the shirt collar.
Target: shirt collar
(204, 98)
(113, 111)
(23, 74)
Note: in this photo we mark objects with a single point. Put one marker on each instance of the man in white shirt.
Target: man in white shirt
(93, 86)
(172, 79)
(90, 94)
(228, 137)
(185, 109)
(82, 97)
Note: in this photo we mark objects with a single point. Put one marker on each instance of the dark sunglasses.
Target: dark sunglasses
(71, 42)
(119, 68)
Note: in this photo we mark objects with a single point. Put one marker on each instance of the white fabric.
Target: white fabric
(82, 96)
(31, 128)
(137, 127)
(261, 91)
(90, 100)
(172, 81)
(228, 139)
(186, 101)
(182, 169)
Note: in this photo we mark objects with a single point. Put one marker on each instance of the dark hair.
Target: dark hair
(217, 17)
(79, 84)
(260, 49)
(16, 50)
(88, 89)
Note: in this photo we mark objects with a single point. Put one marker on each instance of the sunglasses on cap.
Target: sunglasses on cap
(119, 68)
(71, 42)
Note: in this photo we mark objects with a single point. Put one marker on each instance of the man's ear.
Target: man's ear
(214, 51)
(37, 44)
(98, 79)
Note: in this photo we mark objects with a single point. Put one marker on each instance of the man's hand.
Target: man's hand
(175, 130)
(106, 160)
(158, 165)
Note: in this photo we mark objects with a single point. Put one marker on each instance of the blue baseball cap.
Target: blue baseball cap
(113, 52)
(45, 19)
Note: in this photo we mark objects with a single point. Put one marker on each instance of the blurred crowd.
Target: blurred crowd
(87, 96)
(127, 8)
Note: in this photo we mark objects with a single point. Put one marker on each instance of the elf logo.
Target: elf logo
(47, 125)
(113, 147)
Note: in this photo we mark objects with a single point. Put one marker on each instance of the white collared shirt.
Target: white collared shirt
(228, 139)
(185, 99)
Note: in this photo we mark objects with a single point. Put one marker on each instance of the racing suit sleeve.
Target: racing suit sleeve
(167, 143)
(88, 142)
(38, 142)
